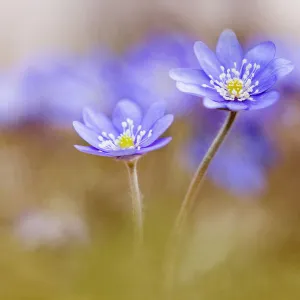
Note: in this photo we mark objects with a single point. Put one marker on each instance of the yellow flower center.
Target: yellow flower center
(126, 142)
(234, 87)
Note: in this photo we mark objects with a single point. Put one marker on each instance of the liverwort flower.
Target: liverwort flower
(233, 80)
(128, 134)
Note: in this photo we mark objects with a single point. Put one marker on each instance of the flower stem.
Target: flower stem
(137, 209)
(195, 184)
(187, 204)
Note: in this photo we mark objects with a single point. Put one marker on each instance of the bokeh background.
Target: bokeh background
(65, 216)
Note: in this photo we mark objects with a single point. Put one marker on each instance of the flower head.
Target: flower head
(231, 79)
(129, 133)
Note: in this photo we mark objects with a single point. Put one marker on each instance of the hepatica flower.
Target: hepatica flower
(233, 80)
(128, 134)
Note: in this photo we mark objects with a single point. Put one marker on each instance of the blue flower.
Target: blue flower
(231, 80)
(64, 86)
(15, 109)
(147, 66)
(129, 133)
(244, 160)
(288, 48)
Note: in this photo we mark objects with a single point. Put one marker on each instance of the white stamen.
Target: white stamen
(244, 76)
(111, 136)
(108, 142)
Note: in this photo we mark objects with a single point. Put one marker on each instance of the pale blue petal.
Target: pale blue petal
(87, 134)
(91, 150)
(158, 129)
(156, 145)
(98, 121)
(208, 103)
(199, 91)
(193, 76)
(124, 152)
(281, 67)
(229, 50)
(275, 70)
(261, 54)
(154, 113)
(265, 83)
(207, 59)
(126, 109)
(264, 100)
(236, 106)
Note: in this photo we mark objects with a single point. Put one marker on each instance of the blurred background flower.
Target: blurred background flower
(61, 87)
(49, 228)
(148, 64)
(246, 157)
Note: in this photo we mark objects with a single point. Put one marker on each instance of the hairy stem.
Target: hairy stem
(195, 184)
(188, 202)
(136, 197)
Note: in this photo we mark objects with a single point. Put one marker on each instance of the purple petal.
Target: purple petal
(94, 151)
(193, 76)
(264, 100)
(229, 50)
(265, 82)
(208, 103)
(98, 121)
(275, 70)
(124, 152)
(154, 113)
(207, 59)
(87, 134)
(156, 145)
(261, 54)
(91, 150)
(281, 67)
(237, 106)
(158, 129)
(199, 91)
(126, 109)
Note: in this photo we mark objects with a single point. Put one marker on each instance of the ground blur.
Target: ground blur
(236, 247)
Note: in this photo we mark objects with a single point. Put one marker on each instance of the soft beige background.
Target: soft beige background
(33, 26)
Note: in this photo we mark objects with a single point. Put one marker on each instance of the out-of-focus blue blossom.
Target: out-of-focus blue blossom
(15, 109)
(290, 49)
(285, 114)
(62, 87)
(147, 68)
(54, 89)
(242, 163)
(233, 80)
(129, 133)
